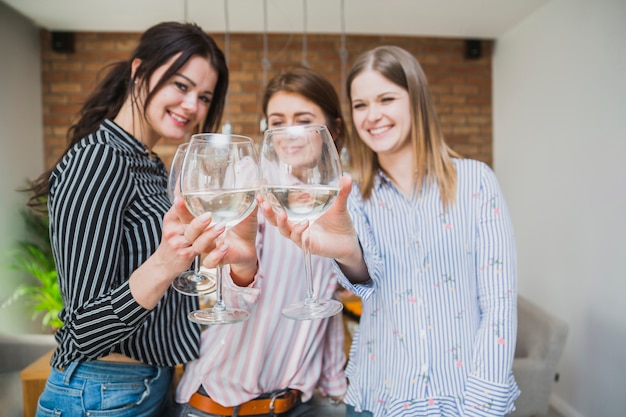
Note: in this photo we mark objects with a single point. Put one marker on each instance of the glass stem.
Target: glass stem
(196, 267)
(308, 270)
(219, 298)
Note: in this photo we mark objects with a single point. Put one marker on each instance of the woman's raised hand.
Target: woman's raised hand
(185, 236)
(238, 250)
(332, 235)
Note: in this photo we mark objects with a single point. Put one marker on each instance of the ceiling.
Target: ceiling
(483, 19)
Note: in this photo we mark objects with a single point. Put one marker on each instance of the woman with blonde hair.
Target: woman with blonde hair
(425, 238)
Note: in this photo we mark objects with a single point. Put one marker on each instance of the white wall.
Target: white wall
(21, 155)
(559, 152)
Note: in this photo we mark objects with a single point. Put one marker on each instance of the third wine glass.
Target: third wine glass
(197, 281)
(301, 168)
(220, 175)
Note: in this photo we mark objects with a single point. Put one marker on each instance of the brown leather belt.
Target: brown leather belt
(277, 404)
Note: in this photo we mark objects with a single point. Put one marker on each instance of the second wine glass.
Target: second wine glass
(220, 175)
(196, 281)
(300, 168)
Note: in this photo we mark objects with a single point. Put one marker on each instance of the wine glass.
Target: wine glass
(300, 168)
(196, 282)
(220, 175)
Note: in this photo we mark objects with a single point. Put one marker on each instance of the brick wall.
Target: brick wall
(461, 88)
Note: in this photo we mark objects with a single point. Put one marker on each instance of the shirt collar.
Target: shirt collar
(381, 180)
(128, 139)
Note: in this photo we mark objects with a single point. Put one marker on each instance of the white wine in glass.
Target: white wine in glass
(220, 175)
(197, 281)
(300, 170)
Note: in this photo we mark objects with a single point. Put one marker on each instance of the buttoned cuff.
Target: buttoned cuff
(483, 398)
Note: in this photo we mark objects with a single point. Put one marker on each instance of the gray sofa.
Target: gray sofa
(540, 341)
(16, 353)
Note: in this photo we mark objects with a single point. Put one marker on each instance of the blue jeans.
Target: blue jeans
(107, 389)
(350, 412)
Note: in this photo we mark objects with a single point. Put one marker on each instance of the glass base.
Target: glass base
(311, 311)
(215, 316)
(190, 283)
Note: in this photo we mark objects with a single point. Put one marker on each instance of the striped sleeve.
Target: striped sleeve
(494, 347)
(371, 254)
(98, 310)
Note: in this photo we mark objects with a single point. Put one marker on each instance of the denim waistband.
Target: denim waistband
(100, 370)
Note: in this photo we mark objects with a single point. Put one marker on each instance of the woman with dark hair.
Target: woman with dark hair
(118, 242)
(269, 359)
(425, 238)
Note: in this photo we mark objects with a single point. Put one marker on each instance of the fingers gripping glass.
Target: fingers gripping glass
(220, 175)
(197, 281)
(300, 168)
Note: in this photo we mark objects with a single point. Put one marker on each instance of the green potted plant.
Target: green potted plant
(34, 257)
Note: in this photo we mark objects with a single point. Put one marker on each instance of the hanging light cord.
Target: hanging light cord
(227, 128)
(343, 53)
(266, 61)
(304, 33)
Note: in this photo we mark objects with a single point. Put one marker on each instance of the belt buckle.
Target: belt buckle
(274, 397)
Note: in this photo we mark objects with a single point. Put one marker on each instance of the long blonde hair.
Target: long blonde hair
(431, 154)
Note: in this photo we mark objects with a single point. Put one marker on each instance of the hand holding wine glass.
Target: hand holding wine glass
(196, 282)
(301, 170)
(220, 175)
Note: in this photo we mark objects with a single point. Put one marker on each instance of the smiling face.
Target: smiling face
(381, 113)
(182, 103)
(291, 109)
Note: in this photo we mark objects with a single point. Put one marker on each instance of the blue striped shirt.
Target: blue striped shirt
(106, 204)
(438, 329)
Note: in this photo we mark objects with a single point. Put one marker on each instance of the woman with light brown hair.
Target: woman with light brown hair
(425, 238)
(286, 360)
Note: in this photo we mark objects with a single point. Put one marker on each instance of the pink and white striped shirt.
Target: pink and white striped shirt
(239, 362)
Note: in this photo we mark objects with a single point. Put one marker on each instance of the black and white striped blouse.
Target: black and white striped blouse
(106, 204)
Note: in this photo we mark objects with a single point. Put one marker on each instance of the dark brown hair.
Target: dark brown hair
(156, 46)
